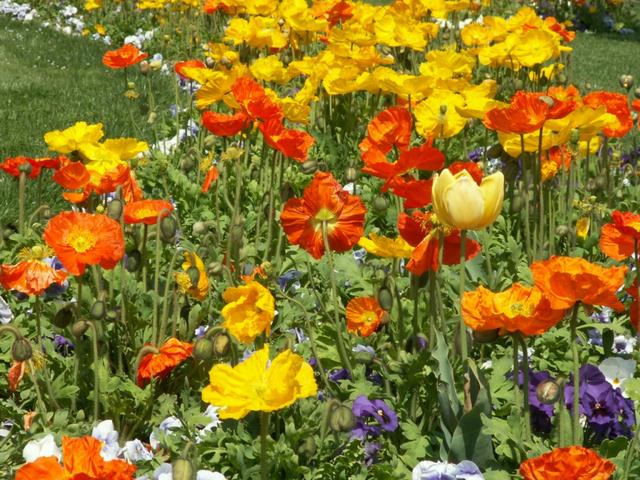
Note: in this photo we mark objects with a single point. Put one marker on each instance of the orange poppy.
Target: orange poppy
(553, 160)
(81, 239)
(567, 280)
(72, 176)
(390, 128)
(210, 177)
(635, 105)
(159, 365)
(616, 104)
(364, 315)
(517, 309)
(12, 165)
(225, 125)
(340, 12)
(422, 231)
(291, 143)
(526, 113)
(146, 211)
(416, 193)
(575, 463)
(123, 57)
(552, 24)
(253, 100)
(15, 375)
(324, 200)
(472, 167)
(423, 157)
(179, 67)
(617, 239)
(81, 460)
(31, 277)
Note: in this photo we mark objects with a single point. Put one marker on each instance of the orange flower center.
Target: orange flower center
(81, 240)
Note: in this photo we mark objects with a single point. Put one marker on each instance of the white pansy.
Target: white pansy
(617, 370)
(107, 434)
(134, 451)
(45, 447)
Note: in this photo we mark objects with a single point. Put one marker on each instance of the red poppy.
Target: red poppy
(81, 460)
(324, 201)
(618, 239)
(31, 277)
(180, 66)
(419, 231)
(146, 211)
(291, 143)
(81, 239)
(340, 12)
(416, 193)
(616, 104)
(526, 113)
(552, 24)
(210, 177)
(224, 125)
(159, 365)
(123, 57)
(635, 105)
(253, 100)
(35, 165)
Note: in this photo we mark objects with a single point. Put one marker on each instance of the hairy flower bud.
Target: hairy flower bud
(341, 419)
(64, 316)
(168, 228)
(98, 309)
(21, 350)
(203, 349)
(114, 209)
(79, 328)
(380, 204)
(182, 469)
(548, 392)
(221, 344)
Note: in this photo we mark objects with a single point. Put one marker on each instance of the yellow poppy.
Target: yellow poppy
(187, 283)
(249, 311)
(70, 139)
(386, 247)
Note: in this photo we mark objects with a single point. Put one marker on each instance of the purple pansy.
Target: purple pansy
(372, 417)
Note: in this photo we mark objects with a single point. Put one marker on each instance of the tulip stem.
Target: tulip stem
(344, 358)
(463, 327)
(576, 375)
(525, 387)
(264, 428)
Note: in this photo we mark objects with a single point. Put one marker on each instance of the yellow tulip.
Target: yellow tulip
(459, 202)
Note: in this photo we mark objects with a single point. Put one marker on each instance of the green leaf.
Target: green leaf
(469, 442)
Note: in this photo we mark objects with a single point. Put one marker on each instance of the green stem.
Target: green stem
(45, 370)
(156, 278)
(525, 385)
(96, 371)
(344, 358)
(516, 375)
(264, 430)
(576, 376)
(22, 183)
(143, 256)
(462, 326)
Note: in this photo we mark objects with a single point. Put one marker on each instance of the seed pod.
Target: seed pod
(114, 209)
(309, 166)
(25, 168)
(168, 228)
(64, 316)
(203, 349)
(79, 328)
(112, 315)
(144, 67)
(385, 299)
(210, 62)
(221, 344)
(517, 204)
(21, 350)
(636, 92)
(626, 81)
(134, 259)
(562, 230)
(182, 469)
(187, 163)
(351, 175)
(199, 228)
(341, 419)
(98, 309)
(380, 204)
(548, 392)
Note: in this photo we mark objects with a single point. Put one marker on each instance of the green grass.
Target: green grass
(49, 81)
(600, 59)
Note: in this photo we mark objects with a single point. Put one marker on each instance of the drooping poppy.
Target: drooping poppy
(81, 239)
(209, 178)
(249, 310)
(34, 166)
(324, 202)
(364, 315)
(257, 384)
(146, 211)
(290, 142)
(567, 280)
(575, 462)
(517, 309)
(30, 276)
(123, 57)
(81, 460)
(158, 365)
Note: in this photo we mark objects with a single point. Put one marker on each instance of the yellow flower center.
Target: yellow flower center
(146, 212)
(81, 240)
(325, 215)
(369, 317)
(520, 309)
(37, 252)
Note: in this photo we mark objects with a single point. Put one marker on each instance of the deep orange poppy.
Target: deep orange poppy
(421, 231)
(15, 375)
(617, 239)
(472, 167)
(390, 128)
(364, 315)
(210, 177)
(324, 200)
(253, 100)
(146, 211)
(567, 280)
(425, 157)
(616, 104)
(555, 26)
(12, 165)
(158, 365)
(291, 143)
(526, 113)
(123, 57)
(224, 125)
(416, 193)
(517, 309)
(575, 463)
(81, 239)
(31, 277)
(81, 460)
(180, 66)
(72, 176)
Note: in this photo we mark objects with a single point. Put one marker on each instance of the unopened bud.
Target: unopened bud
(98, 309)
(144, 67)
(182, 469)
(385, 299)
(133, 261)
(307, 447)
(341, 419)
(214, 268)
(168, 228)
(131, 86)
(636, 92)
(111, 315)
(221, 344)
(309, 166)
(562, 230)
(203, 349)
(64, 316)
(79, 328)
(351, 175)
(194, 275)
(21, 350)
(626, 81)
(548, 392)
(380, 204)
(210, 62)
(114, 209)
(25, 168)
(199, 228)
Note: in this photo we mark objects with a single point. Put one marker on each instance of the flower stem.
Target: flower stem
(576, 375)
(462, 326)
(516, 374)
(22, 183)
(264, 429)
(45, 370)
(344, 358)
(96, 371)
(525, 387)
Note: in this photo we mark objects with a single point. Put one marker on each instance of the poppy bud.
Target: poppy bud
(98, 309)
(209, 141)
(588, 86)
(46, 213)
(25, 168)
(111, 315)
(601, 183)
(114, 209)
(182, 469)
(187, 163)
(221, 344)
(562, 79)
(203, 349)
(308, 447)
(385, 299)
(210, 62)
(309, 166)
(131, 85)
(79, 328)
(64, 316)
(351, 175)
(199, 228)
(626, 81)
(516, 204)
(562, 230)
(547, 99)
(486, 336)
(144, 67)
(548, 392)
(214, 268)
(153, 116)
(341, 419)
(380, 204)
(286, 192)
(636, 92)
(194, 275)
(21, 350)
(168, 228)
(133, 261)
